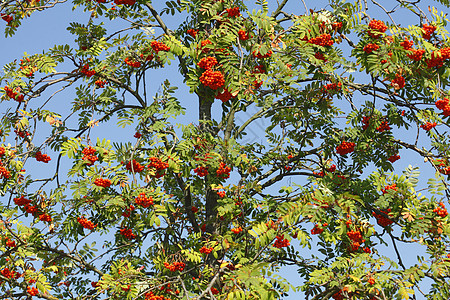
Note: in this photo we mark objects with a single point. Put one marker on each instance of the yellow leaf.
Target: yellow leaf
(93, 123)
(406, 215)
(53, 121)
(226, 244)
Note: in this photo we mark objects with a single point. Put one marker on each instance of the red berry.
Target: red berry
(369, 48)
(212, 79)
(427, 31)
(322, 40)
(103, 182)
(377, 27)
(345, 148)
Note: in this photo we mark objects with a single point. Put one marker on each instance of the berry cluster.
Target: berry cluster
(29, 69)
(416, 54)
(45, 218)
(317, 229)
(338, 295)
(85, 70)
(212, 79)
(158, 165)
(382, 220)
(143, 200)
(355, 239)
(42, 157)
(321, 173)
(176, 266)
(100, 83)
(369, 48)
(6, 272)
(436, 60)
(236, 230)
(201, 144)
(14, 95)
(257, 84)
(7, 18)
(221, 194)
(127, 212)
(243, 36)
(21, 133)
(394, 158)
(281, 242)
(407, 44)
(159, 46)
(86, 223)
(127, 233)
(259, 55)
(441, 211)
(223, 171)
(146, 57)
(336, 25)
(125, 2)
(259, 69)
(445, 52)
(151, 296)
(377, 27)
(129, 61)
(438, 57)
(104, 182)
(32, 291)
(322, 40)
(207, 62)
(194, 209)
(31, 209)
(389, 187)
(428, 126)
(206, 250)
(332, 87)
(88, 155)
(134, 166)
(203, 45)
(427, 31)
(9, 243)
(224, 96)
(201, 171)
(398, 82)
(320, 56)
(4, 172)
(205, 42)
(192, 32)
(384, 126)
(345, 148)
(233, 12)
(442, 167)
(126, 288)
(21, 201)
(443, 105)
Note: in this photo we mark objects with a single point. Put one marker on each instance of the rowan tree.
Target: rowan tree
(196, 210)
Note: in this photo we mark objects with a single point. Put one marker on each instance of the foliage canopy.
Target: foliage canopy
(197, 209)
